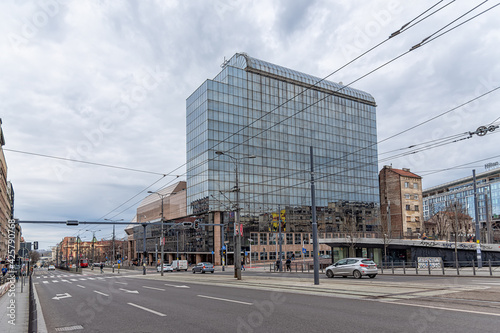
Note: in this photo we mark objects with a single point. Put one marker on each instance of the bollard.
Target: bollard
(416, 267)
(458, 268)
(489, 264)
(404, 268)
(429, 266)
(442, 266)
(473, 268)
(392, 265)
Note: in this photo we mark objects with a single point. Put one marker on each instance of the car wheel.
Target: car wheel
(356, 274)
(371, 276)
(194, 271)
(212, 272)
(344, 276)
(202, 272)
(329, 274)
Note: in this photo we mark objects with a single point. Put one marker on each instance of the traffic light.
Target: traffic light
(35, 245)
(196, 224)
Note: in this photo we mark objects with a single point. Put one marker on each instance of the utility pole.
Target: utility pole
(478, 231)
(314, 223)
(162, 240)
(114, 253)
(279, 239)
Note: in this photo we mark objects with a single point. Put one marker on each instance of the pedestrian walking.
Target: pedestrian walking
(288, 265)
(243, 265)
(102, 267)
(277, 265)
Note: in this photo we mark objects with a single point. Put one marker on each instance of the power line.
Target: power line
(86, 162)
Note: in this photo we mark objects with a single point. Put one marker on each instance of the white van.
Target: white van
(180, 265)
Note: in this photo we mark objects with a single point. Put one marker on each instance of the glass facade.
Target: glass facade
(462, 191)
(276, 114)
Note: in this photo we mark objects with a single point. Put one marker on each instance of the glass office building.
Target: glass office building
(264, 118)
(437, 198)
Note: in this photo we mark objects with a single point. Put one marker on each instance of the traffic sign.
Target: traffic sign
(304, 250)
(119, 261)
(212, 252)
(23, 252)
(223, 247)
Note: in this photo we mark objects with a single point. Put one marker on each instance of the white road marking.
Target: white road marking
(173, 285)
(91, 278)
(76, 280)
(80, 286)
(122, 282)
(54, 281)
(98, 292)
(60, 296)
(146, 309)
(129, 291)
(446, 309)
(69, 328)
(82, 279)
(225, 300)
(153, 288)
(45, 281)
(65, 281)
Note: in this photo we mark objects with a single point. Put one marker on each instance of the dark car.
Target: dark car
(203, 267)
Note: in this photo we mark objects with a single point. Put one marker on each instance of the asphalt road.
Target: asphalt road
(181, 301)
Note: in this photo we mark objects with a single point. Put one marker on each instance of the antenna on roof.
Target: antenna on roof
(224, 63)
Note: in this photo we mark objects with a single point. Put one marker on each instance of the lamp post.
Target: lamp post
(161, 238)
(114, 255)
(237, 229)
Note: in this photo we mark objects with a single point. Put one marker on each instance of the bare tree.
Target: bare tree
(34, 257)
(440, 221)
(459, 223)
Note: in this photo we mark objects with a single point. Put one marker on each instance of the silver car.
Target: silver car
(356, 267)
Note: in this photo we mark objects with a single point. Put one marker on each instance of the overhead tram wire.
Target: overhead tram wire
(86, 162)
(390, 137)
(401, 30)
(461, 165)
(364, 164)
(323, 79)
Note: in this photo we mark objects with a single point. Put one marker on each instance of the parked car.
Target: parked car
(97, 264)
(166, 268)
(203, 267)
(356, 267)
(51, 268)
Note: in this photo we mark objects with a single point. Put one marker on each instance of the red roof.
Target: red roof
(405, 173)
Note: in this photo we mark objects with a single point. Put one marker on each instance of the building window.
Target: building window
(298, 239)
(416, 208)
(407, 184)
(417, 219)
(263, 239)
(415, 196)
(408, 219)
(263, 256)
(415, 186)
(289, 238)
(407, 196)
(408, 207)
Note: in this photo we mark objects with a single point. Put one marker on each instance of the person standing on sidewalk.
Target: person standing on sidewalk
(243, 265)
(288, 265)
(102, 266)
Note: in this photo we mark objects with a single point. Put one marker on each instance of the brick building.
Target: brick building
(401, 201)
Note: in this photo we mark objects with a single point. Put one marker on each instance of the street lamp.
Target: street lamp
(114, 255)
(237, 230)
(161, 238)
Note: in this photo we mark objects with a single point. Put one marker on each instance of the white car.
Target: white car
(356, 267)
(51, 268)
(166, 268)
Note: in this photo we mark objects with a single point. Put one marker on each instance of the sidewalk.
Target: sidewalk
(14, 307)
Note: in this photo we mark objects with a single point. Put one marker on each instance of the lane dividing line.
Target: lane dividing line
(149, 310)
(153, 288)
(122, 283)
(225, 300)
(98, 292)
(80, 286)
(446, 309)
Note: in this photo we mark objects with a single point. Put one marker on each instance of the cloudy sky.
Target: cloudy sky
(106, 82)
